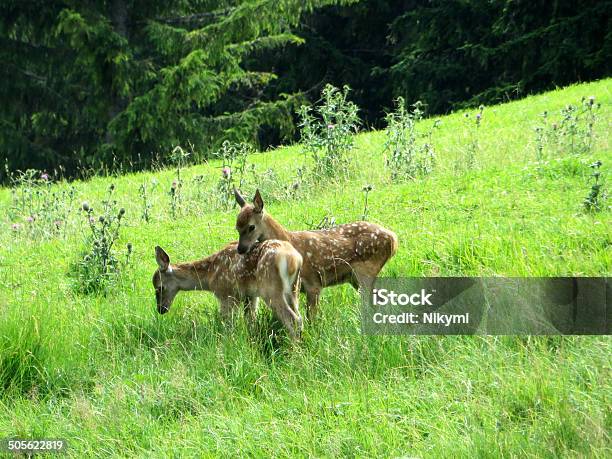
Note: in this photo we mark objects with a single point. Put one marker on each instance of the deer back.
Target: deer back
(331, 253)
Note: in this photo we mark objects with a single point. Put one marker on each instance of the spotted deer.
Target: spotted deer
(269, 271)
(354, 253)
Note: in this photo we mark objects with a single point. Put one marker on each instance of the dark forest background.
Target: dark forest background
(120, 83)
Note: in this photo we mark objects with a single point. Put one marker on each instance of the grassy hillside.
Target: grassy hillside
(112, 377)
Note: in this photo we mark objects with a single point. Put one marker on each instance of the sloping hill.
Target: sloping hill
(110, 376)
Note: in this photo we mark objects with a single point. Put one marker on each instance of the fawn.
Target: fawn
(270, 271)
(355, 252)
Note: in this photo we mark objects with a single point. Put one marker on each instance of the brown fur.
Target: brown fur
(354, 253)
(269, 271)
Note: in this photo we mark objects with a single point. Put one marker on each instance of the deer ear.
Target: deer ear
(239, 199)
(163, 260)
(258, 202)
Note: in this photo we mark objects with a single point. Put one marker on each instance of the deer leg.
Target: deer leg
(366, 284)
(312, 298)
(365, 276)
(250, 308)
(227, 308)
(293, 297)
(292, 300)
(291, 320)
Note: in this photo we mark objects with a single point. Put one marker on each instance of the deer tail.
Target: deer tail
(393, 243)
(289, 270)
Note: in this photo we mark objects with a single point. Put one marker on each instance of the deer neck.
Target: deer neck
(193, 276)
(274, 230)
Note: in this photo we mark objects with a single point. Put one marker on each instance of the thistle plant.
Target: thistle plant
(409, 154)
(590, 115)
(198, 188)
(225, 187)
(467, 158)
(327, 132)
(366, 191)
(38, 206)
(572, 134)
(144, 191)
(270, 181)
(298, 185)
(179, 158)
(577, 125)
(541, 139)
(175, 198)
(595, 200)
(100, 266)
(234, 169)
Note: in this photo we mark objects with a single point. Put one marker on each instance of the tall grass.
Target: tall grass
(113, 378)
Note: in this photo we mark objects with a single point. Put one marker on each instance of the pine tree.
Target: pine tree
(103, 82)
(457, 53)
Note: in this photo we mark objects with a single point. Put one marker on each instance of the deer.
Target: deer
(269, 271)
(354, 252)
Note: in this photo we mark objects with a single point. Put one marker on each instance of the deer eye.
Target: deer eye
(251, 228)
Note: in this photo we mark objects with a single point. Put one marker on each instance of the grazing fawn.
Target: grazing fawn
(355, 252)
(269, 271)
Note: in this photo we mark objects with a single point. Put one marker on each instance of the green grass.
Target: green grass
(115, 379)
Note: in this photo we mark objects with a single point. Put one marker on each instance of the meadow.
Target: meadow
(109, 375)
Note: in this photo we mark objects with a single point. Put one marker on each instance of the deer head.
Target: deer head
(165, 282)
(249, 223)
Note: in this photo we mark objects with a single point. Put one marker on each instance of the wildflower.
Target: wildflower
(129, 247)
(174, 185)
(591, 100)
(226, 172)
(16, 226)
(111, 187)
(121, 212)
(30, 219)
(44, 176)
(367, 188)
(85, 206)
(331, 126)
(92, 220)
(478, 116)
(101, 218)
(57, 223)
(466, 115)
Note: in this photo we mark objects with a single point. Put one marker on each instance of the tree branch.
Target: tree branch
(196, 18)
